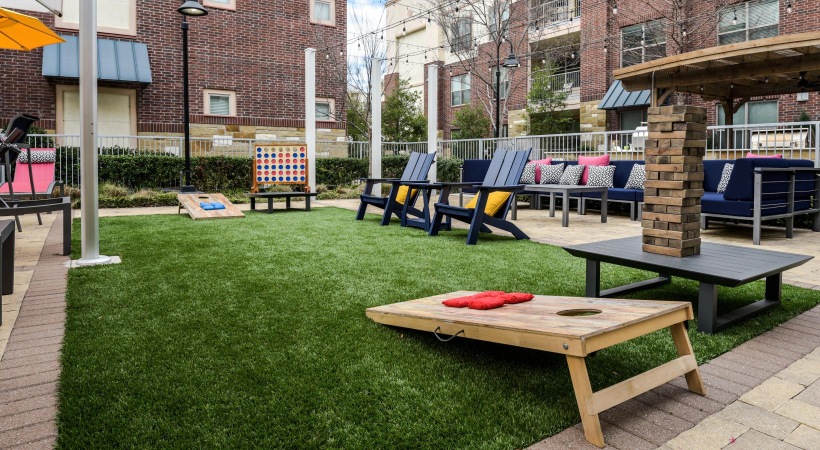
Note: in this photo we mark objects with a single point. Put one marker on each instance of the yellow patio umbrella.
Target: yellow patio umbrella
(22, 32)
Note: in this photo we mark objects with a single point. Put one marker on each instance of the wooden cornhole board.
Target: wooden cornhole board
(553, 324)
(191, 204)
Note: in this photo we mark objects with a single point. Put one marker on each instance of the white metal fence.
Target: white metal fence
(797, 140)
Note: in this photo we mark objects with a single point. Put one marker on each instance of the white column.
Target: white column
(310, 114)
(376, 123)
(432, 115)
(89, 193)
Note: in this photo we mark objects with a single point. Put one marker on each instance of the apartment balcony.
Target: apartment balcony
(569, 82)
(551, 18)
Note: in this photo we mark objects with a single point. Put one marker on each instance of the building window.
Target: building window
(460, 89)
(752, 113)
(220, 4)
(325, 109)
(462, 35)
(643, 42)
(220, 103)
(632, 119)
(748, 21)
(323, 12)
(505, 17)
(505, 81)
(113, 16)
(116, 111)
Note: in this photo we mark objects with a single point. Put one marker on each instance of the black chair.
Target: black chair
(13, 138)
(403, 207)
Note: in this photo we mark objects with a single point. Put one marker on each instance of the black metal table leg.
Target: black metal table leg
(307, 203)
(593, 278)
(270, 205)
(707, 307)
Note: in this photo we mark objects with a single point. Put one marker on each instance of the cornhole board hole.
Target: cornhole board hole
(575, 327)
(191, 204)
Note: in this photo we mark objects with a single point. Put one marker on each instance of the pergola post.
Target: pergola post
(673, 189)
(310, 115)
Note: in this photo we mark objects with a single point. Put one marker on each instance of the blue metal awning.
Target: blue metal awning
(617, 97)
(117, 60)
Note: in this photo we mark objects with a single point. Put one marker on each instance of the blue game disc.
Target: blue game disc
(259, 167)
(301, 155)
(280, 178)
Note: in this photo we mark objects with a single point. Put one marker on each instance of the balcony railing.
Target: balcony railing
(553, 12)
(569, 82)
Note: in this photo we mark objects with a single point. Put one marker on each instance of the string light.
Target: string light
(734, 19)
(605, 49)
(684, 31)
(789, 7)
(341, 52)
(766, 80)
(615, 9)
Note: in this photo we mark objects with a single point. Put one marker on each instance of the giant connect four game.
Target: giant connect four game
(280, 164)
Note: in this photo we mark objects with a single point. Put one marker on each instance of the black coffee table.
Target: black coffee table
(717, 265)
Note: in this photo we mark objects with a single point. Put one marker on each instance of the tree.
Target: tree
(358, 117)
(402, 119)
(545, 106)
(472, 123)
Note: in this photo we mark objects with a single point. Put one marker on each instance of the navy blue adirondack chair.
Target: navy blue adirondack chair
(415, 171)
(503, 175)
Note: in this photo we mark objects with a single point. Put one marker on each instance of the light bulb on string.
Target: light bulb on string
(615, 9)
(683, 31)
(734, 19)
(789, 7)
(341, 53)
(605, 49)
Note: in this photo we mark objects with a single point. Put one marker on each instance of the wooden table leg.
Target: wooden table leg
(684, 347)
(583, 394)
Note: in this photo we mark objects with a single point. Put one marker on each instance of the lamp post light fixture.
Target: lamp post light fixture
(190, 8)
(510, 62)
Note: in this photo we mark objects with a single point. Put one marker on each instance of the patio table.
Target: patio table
(574, 327)
(716, 265)
(565, 190)
(7, 233)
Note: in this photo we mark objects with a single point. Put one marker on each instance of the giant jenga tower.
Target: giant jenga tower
(674, 153)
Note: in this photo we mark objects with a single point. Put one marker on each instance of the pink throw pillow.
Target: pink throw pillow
(587, 161)
(538, 168)
(752, 155)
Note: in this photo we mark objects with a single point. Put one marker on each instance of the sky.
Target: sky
(369, 11)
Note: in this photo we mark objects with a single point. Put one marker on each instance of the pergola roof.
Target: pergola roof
(770, 66)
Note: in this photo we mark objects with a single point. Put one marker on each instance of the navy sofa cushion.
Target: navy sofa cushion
(616, 194)
(715, 203)
(741, 183)
(712, 169)
(474, 171)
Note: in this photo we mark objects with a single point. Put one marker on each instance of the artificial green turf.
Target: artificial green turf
(252, 332)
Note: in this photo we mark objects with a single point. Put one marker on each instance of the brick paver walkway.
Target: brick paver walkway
(30, 365)
(763, 394)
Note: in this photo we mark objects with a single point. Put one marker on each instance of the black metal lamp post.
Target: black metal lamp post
(510, 62)
(189, 8)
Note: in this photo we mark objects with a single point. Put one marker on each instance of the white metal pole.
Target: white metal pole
(89, 194)
(432, 115)
(376, 122)
(310, 114)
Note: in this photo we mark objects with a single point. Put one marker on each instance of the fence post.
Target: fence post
(817, 145)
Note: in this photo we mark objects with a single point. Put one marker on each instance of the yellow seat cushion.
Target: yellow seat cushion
(494, 202)
(402, 194)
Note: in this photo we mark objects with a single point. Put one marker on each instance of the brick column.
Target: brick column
(674, 153)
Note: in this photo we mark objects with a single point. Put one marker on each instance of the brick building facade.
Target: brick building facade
(601, 40)
(246, 66)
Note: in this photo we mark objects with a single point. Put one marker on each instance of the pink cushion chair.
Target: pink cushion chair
(42, 173)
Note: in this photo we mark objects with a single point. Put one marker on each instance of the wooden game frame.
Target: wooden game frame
(280, 176)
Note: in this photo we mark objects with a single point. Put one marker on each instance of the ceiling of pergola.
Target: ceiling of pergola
(772, 66)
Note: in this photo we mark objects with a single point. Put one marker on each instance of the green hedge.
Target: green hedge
(220, 173)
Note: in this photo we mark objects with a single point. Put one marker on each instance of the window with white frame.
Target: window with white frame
(220, 103)
(325, 109)
(323, 12)
(748, 21)
(113, 16)
(498, 9)
(505, 80)
(643, 42)
(751, 113)
(460, 89)
(462, 33)
(220, 4)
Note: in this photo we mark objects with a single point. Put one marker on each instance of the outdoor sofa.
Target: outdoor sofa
(761, 189)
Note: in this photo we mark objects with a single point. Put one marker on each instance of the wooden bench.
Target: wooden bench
(575, 327)
(717, 265)
(286, 195)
